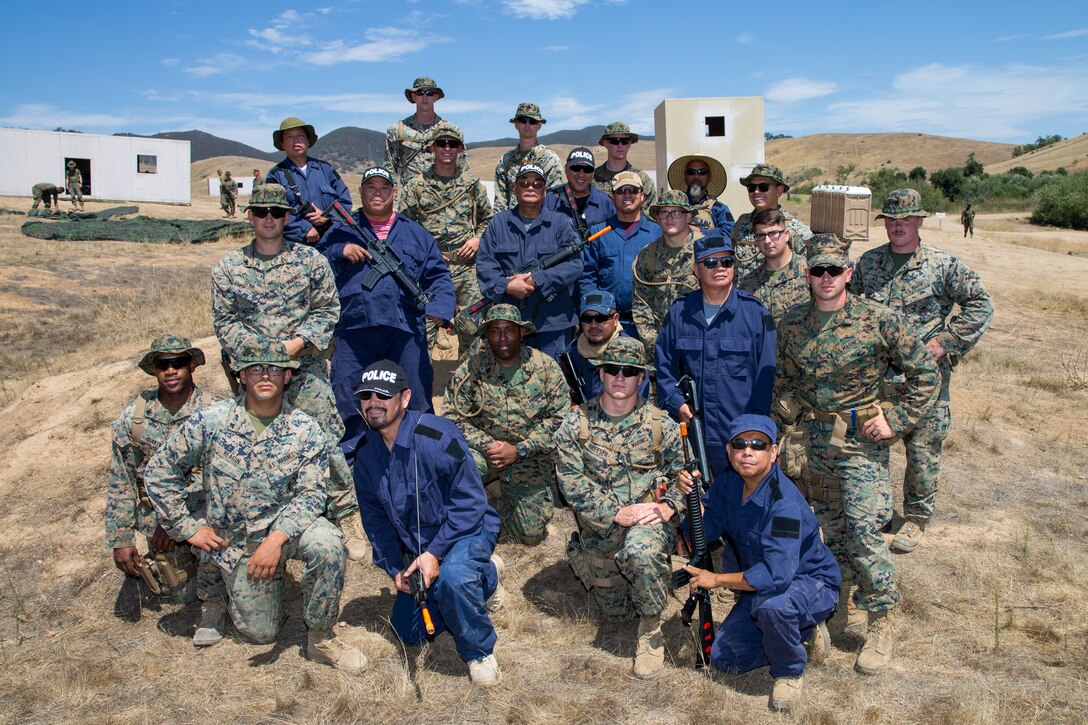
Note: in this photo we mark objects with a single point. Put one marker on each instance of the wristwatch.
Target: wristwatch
(522, 450)
(669, 503)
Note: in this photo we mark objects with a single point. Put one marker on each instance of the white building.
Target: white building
(115, 168)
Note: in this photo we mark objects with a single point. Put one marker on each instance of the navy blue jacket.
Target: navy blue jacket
(610, 259)
(732, 359)
(591, 378)
(452, 501)
(320, 185)
(388, 303)
(506, 246)
(599, 206)
(773, 537)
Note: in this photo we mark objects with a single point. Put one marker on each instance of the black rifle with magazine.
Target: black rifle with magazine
(305, 206)
(574, 381)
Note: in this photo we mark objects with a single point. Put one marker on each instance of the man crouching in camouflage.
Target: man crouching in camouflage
(265, 467)
(137, 435)
(615, 453)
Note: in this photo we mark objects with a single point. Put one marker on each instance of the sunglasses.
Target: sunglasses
(427, 93)
(581, 169)
(761, 186)
(627, 371)
(773, 235)
(712, 262)
(531, 184)
(526, 119)
(591, 319)
(618, 140)
(165, 363)
(448, 143)
(274, 371)
(756, 444)
(627, 190)
(262, 211)
(696, 172)
(671, 213)
(368, 394)
(821, 269)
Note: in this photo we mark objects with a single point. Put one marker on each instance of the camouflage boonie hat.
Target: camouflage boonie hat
(226, 174)
(421, 84)
(170, 343)
(509, 313)
(445, 129)
(902, 203)
(531, 110)
(292, 122)
(718, 178)
(623, 351)
(268, 195)
(263, 351)
(626, 178)
(769, 170)
(827, 249)
(617, 128)
(672, 197)
(71, 164)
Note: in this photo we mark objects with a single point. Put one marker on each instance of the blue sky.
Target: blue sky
(995, 71)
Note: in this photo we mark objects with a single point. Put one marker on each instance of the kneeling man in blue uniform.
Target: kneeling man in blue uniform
(424, 509)
(786, 579)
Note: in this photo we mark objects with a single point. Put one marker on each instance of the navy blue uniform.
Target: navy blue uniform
(774, 539)
(609, 263)
(456, 525)
(590, 375)
(732, 359)
(319, 184)
(599, 206)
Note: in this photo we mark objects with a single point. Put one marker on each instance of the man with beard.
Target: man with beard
(600, 324)
(702, 179)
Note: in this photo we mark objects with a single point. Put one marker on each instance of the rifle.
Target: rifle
(232, 377)
(700, 558)
(468, 319)
(574, 380)
(419, 594)
(698, 441)
(305, 206)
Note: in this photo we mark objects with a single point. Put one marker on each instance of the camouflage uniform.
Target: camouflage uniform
(47, 192)
(506, 172)
(967, 219)
(407, 148)
(832, 371)
(749, 258)
(924, 291)
(614, 466)
(255, 484)
(661, 275)
(228, 194)
(781, 289)
(524, 406)
(73, 181)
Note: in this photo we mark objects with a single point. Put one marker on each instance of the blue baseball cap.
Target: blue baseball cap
(602, 302)
(711, 244)
(753, 422)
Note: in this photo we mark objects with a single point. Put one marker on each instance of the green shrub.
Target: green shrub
(1064, 203)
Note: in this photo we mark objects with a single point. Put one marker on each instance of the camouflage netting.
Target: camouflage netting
(98, 227)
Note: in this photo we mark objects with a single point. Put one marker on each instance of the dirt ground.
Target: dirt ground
(993, 627)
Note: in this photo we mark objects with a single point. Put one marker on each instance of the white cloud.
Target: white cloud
(543, 9)
(285, 32)
(1007, 38)
(745, 39)
(1067, 34)
(383, 44)
(555, 48)
(170, 61)
(220, 63)
(793, 90)
(44, 115)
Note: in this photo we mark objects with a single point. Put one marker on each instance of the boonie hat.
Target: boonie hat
(718, 178)
(268, 195)
(580, 155)
(421, 84)
(286, 125)
(902, 203)
(379, 171)
(768, 170)
(672, 197)
(531, 110)
(71, 164)
(445, 129)
(827, 249)
(603, 302)
(264, 352)
(623, 351)
(626, 178)
(506, 312)
(530, 169)
(170, 343)
(711, 244)
(753, 422)
(384, 377)
(617, 128)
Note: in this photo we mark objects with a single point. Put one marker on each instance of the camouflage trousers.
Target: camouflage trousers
(466, 291)
(311, 392)
(923, 447)
(642, 555)
(257, 608)
(522, 495)
(228, 203)
(852, 501)
(75, 193)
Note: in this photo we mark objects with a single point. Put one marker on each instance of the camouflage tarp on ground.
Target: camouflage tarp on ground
(137, 229)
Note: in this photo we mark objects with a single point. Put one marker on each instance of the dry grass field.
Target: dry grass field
(993, 628)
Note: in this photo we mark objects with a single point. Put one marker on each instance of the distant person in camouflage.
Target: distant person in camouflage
(228, 193)
(967, 219)
(662, 269)
(781, 281)
(452, 205)
(273, 289)
(833, 357)
(408, 141)
(765, 185)
(617, 140)
(527, 120)
(508, 400)
(50, 193)
(924, 283)
(702, 179)
(73, 181)
(257, 180)
(136, 436)
(582, 202)
(264, 468)
(617, 456)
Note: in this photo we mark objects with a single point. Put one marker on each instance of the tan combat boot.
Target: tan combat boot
(499, 595)
(354, 539)
(650, 655)
(848, 619)
(328, 649)
(212, 624)
(909, 536)
(818, 644)
(787, 691)
(876, 655)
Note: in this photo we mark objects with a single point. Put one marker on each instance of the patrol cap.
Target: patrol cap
(580, 155)
(602, 301)
(711, 244)
(768, 170)
(445, 129)
(509, 313)
(267, 352)
(902, 203)
(617, 128)
(623, 350)
(384, 377)
(530, 169)
(379, 171)
(827, 249)
(270, 195)
(169, 343)
(421, 84)
(753, 422)
(626, 178)
(672, 197)
(718, 178)
(531, 110)
(286, 125)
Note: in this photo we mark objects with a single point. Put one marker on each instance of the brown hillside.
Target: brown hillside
(1071, 154)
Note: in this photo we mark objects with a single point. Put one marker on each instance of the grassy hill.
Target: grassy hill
(351, 149)
(1071, 154)
(205, 146)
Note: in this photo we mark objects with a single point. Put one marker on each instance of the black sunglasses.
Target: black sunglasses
(262, 211)
(831, 269)
(627, 190)
(627, 371)
(368, 394)
(618, 140)
(526, 119)
(530, 184)
(756, 444)
(448, 143)
(598, 319)
(761, 186)
(583, 169)
(696, 172)
(165, 363)
(713, 262)
(427, 93)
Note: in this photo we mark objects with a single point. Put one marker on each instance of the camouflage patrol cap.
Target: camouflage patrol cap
(269, 352)
(423, 83)
(530, 169)
(626, 178)
(617, 128)
(827, 249)
(623, 351)
(714, 242)
(170, 343)
(531, 110)
(768, 170)
(268, 195)
(509, 313)
(902, 203)
(445, 129)
(718, 178)
(286, 125)
(71, 164)
(672, 197)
